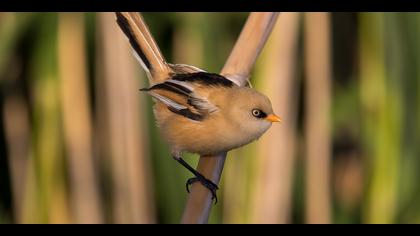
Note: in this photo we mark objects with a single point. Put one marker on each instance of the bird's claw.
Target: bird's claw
(206, 183)
(189, 182)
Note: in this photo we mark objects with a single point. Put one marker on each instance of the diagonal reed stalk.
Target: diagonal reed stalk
(239, 65)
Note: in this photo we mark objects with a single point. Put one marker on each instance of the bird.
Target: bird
(196, 111)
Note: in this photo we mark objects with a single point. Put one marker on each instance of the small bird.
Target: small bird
(197, 111)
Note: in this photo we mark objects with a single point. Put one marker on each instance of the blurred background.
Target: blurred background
(78, 143)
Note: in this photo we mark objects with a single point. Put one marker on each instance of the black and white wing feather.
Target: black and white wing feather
(180, 94)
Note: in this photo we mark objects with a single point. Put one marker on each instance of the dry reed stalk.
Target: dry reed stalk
(129, 153)
(276, 149)
(17, 130)
(317, 121)
(239, 64)
(78, 134)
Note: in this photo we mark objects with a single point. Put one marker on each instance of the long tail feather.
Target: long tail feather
(146, 49)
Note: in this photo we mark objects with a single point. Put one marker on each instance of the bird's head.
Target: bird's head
(252, 111)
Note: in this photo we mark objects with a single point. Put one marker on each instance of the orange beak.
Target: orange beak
(273, 118)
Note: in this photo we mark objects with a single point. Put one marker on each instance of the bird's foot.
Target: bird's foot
(206, 183)
(198, 177)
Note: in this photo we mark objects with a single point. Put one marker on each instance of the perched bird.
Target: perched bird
(197, 111)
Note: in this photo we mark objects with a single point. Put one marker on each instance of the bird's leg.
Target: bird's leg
(198, 177)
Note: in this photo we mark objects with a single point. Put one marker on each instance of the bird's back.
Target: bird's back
(194, 136)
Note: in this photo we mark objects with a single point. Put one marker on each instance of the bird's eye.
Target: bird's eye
(256, 113)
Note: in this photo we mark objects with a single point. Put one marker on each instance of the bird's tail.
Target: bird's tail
(146, 49)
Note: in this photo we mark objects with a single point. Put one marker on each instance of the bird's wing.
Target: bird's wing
(185, 71)
(183, 95)
(204, 79)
